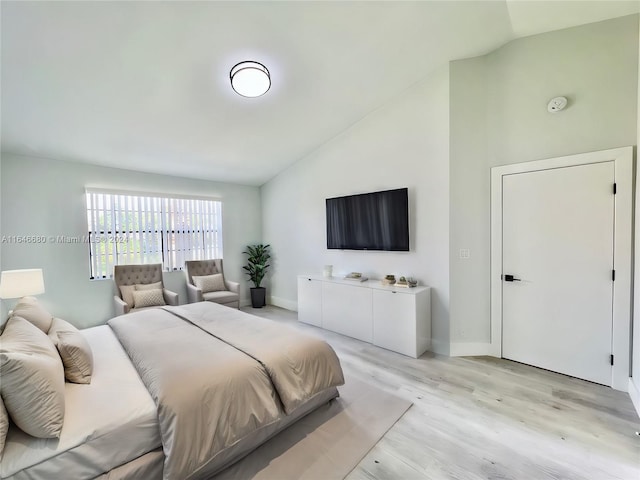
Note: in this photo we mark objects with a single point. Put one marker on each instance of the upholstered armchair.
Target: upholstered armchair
(204, 284)
(139, 286)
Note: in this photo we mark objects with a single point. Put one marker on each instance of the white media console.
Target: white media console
(390, 317)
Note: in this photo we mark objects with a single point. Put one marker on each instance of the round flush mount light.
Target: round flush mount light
(250, 79)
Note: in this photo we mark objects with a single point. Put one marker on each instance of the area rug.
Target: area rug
(329, 442)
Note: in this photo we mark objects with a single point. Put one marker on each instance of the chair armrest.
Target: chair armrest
(232, 286)
(194, 294)
(170, 298)
(120, 305)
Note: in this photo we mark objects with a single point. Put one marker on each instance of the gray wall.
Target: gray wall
(469, 210)
(46, 197)
(499, 116)
(634, 387)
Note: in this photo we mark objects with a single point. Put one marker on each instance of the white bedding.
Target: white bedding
(98, 416)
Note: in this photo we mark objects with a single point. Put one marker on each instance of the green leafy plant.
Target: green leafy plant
(257, 264)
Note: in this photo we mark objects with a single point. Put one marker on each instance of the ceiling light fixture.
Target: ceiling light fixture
(250, 79)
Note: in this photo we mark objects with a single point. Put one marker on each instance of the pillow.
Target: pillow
(148, 298)
(32, 379)
(210, 283)
(127, 294)
(29, 309)
(149, 286)
(4, 425)
(74, 350)
(127, 291)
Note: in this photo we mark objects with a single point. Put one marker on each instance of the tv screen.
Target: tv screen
(369, 221)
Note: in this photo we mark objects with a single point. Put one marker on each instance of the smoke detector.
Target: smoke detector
(556, 104)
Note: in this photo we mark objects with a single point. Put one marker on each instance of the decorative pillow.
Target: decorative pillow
(126, 291)
(30, 309)
(148, 298)
(210, 283)
(32, 379)
(149, 286)
(4, 425)
(74, 350)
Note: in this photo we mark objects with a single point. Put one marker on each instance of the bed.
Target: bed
(179, 393)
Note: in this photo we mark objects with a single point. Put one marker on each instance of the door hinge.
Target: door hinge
(615, 189)
(611, 359)
(613, 275)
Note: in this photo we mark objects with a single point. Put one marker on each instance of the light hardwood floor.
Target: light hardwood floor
(487, 418)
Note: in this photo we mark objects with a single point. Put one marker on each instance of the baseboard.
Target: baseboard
(634, 393)
(470, 349)
(284, 303)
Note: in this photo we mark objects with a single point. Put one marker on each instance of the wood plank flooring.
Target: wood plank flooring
(487, 418)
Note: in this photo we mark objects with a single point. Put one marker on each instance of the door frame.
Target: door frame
(623, 249)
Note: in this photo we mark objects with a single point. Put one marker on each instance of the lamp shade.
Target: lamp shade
(20, 283)
(250, 79)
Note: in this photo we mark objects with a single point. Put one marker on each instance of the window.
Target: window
(147, 228)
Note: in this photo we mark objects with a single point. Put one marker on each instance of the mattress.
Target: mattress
(107, 423)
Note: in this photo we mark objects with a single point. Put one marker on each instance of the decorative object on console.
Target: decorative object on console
(328, 271)
(412, 282)
(388, 280)
(256, 270)
(21, 283)
(402, 282)
(357, 276)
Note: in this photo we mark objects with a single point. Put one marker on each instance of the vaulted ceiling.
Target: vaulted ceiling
(145, 85)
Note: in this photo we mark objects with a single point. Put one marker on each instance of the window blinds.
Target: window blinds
(130, 229)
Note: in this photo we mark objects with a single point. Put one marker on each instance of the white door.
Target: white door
(558, 237)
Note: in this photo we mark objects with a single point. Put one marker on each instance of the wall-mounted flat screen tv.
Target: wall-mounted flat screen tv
(369, 221)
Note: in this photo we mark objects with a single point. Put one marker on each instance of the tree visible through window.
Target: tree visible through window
(129, 229)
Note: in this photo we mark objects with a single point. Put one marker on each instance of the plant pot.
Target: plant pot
(258, 297)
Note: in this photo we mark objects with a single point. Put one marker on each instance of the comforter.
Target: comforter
(218, 376)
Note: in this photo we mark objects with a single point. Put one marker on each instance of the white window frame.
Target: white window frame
(122, 226)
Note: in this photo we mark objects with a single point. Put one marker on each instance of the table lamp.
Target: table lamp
(20, 283)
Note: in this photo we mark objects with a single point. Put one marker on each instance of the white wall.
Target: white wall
(595, 66)
(46, 197)
(469, 209)
(634, 383)
(402, 144)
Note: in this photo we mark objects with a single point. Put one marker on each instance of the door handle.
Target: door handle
(510, 278)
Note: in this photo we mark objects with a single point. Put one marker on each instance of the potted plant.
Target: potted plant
(256, 269)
